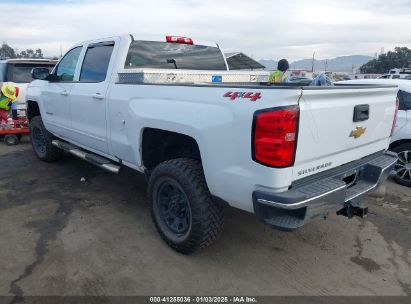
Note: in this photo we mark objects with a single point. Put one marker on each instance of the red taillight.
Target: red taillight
(275, 136)
(395, 117)
(176, 39)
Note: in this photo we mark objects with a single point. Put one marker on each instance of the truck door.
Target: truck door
(88, 97)
(56, 94)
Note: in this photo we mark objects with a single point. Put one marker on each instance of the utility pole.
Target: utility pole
(61, 51)
(325, 65)
(312, 65)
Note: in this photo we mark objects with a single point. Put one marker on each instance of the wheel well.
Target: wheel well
(399, 142)
(33, 109)
(160, 145)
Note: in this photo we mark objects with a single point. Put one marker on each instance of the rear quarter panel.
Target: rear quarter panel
(221, 126)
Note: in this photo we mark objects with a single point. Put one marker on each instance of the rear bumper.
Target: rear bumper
(322, 194)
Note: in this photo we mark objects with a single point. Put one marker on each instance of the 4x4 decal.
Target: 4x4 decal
(248, 95)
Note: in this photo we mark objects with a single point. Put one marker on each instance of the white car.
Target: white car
(395, 76)
(207, 137)
(401, 139)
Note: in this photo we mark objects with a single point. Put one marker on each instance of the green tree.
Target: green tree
(29, 53)
(7, 51)
(399, 58)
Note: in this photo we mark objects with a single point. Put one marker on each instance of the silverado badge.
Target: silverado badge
(358, 132)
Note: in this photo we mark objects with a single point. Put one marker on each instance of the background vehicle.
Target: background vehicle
(207, 137)
(397, 74)
(18, 72)
(401, 139)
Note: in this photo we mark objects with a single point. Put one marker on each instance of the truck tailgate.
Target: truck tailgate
(329, 136)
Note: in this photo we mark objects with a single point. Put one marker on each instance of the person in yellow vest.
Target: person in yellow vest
(8, 96)
(279, 75)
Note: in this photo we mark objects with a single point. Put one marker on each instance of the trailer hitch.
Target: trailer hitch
(352, 209)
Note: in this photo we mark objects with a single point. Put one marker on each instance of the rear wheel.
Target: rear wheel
(403, 165)
(41, 141)
(181, 206)
(11, 139)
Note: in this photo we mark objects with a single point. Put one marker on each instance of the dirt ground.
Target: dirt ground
(62, 236)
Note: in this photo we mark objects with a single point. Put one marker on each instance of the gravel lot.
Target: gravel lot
(61, 236)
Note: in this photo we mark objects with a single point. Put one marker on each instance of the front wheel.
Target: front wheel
(41, 141)
(181, 206)
(403, 165)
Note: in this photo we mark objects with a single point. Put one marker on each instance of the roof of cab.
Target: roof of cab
(150, 37)
(147, 37)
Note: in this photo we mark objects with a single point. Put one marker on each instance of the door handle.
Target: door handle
(98, 96)
(361, 112)
(64, 93)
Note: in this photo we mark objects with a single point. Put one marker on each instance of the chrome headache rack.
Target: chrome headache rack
(190, 76)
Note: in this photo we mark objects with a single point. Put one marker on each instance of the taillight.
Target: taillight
(275, 136)
(394, 122)
(176, 39)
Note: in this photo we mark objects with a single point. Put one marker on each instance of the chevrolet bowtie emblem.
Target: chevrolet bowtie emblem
(358, 132)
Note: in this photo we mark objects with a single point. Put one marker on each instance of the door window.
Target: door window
(405, 100)
(96, 62)
(67, 66)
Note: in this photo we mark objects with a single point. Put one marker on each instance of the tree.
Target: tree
(7, 51)
(38, 53)
(399, 58)
(29, 53)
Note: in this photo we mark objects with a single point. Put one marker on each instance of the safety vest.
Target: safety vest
(5, 102)
(277, 76)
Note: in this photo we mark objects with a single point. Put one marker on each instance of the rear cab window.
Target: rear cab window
(21, 72)
(166, 55)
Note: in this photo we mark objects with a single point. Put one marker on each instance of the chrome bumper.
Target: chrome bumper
(320, 196)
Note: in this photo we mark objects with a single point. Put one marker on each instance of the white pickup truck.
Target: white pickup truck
(207, 137)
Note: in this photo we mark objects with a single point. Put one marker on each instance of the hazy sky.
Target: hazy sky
(268, 29)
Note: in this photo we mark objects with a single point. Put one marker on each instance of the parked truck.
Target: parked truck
(207, 138)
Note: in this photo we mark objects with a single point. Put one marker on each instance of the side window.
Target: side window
(96, 62)
(67, 66)
(405, 100)
(395, 76)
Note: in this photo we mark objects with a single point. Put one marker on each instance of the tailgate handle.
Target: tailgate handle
(361, 112)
